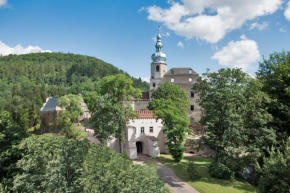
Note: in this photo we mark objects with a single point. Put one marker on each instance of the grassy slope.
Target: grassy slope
(206, 184)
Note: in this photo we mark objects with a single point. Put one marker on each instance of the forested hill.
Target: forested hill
(26, 81)
(58, 69)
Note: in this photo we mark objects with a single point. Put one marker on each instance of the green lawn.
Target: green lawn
(206, 184)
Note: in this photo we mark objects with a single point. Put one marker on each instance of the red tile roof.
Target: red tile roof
(145, 114)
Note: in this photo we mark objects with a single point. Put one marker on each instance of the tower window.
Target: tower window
(190, 71)
(172, 71)
(153, 84)
(191, 94)
(189, 79)
(142, 129)
(157, 68)
(172, 79)
(192, 107)
(151, 129)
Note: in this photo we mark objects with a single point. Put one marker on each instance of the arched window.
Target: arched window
(157, 68)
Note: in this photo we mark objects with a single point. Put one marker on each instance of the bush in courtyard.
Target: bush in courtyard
(176, 151)
(219, 170)
(192, 172)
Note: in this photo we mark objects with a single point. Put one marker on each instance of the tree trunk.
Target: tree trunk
(120, 146)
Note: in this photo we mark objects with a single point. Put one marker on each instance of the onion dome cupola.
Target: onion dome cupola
(158, 56)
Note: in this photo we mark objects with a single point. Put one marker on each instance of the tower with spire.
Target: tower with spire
(158, 65)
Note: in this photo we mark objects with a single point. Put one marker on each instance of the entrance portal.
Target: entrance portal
(139, 147)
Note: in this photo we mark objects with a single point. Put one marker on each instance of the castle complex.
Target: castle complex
(144, 135)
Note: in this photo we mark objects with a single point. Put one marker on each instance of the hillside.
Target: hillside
(26, 81)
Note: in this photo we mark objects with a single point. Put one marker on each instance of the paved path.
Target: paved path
(167, 175)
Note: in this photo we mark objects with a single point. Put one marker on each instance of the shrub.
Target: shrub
(219, 170)
(192, 172)
(176, 151)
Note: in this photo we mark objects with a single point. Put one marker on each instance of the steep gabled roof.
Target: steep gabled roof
(180, 71)
(50, 105)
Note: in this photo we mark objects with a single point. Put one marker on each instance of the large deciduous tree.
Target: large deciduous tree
(72, 105)
(234, 111)
(111, 108)
(275, 75)
(170, 103)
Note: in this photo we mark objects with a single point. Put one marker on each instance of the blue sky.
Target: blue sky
(210, 34)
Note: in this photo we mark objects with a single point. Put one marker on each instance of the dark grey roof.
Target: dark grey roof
(180, 71)
(50, 105)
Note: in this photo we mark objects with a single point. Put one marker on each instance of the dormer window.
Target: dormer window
(172, 71)
(157, 68)
(190, 71)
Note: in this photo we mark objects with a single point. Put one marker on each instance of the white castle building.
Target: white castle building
(144, 135)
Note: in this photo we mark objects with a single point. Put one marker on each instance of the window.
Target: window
(172, 71)
(172, 79)
(153, 84)
(192, 107)
(157, 68)
(191, 94)
(142, 129)
(190, 71)
(189, 79)
(151, 129)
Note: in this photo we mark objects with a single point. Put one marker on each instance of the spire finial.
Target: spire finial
(159, 29)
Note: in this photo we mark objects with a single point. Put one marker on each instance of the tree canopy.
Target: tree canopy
(57, 164)
(234, 109)
(111, 107)
(170, 104)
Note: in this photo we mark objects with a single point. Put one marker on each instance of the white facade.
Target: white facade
(145, 136)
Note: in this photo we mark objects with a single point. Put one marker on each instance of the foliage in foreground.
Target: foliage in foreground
(275, 172)
(10, 136)
(170, 104)
(57, 164)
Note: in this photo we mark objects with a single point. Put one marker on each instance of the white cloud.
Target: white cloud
(180, 44)
(3, 3)
(18, 49)
(282, 30)
(210, 20)
(146, 79)
(287, 11)
(259, 26)
(239, 54)
(167, 34)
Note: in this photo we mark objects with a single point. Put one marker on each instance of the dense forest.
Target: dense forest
(27, 80)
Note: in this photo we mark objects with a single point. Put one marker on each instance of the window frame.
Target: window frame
(157, 69)
(189, 79)
(151, 129)
(191, 94)
(192, 107)
(142, 130)
(171, 80)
